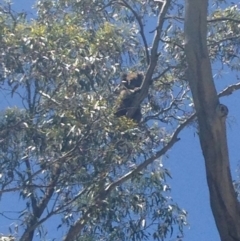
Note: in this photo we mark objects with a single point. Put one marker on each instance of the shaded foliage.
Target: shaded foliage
(62, 149)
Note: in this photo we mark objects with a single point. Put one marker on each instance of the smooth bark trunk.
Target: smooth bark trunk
(211, 119)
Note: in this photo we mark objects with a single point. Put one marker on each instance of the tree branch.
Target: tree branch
(103, 194)
(125, 3)
(153, 59)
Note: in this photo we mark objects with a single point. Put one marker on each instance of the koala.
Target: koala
(130, 86)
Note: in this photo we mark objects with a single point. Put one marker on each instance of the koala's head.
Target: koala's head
(132, 80)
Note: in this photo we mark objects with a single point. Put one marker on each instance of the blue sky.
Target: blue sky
(186, 164)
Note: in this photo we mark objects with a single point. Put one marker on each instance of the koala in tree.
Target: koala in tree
(130, 86)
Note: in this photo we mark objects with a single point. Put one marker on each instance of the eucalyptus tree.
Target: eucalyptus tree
(63, 152)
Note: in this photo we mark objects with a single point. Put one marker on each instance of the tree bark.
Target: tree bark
(211, 120)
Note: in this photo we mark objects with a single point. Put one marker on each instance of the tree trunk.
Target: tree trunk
(211, 120)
